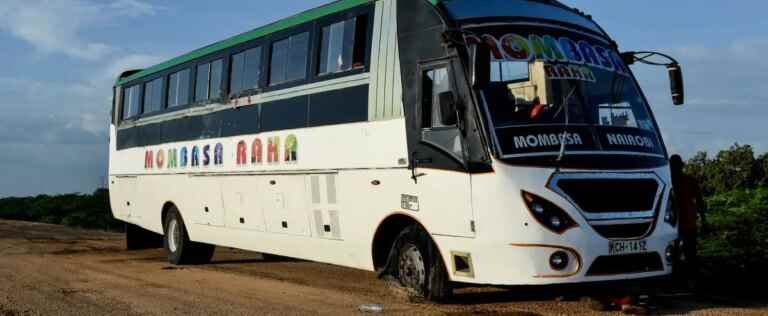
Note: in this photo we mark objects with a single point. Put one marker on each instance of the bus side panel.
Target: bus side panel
(122, 192)
(242, 203)
(284, 202)
(208, 208)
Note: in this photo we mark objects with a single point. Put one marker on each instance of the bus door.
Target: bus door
(438, 159)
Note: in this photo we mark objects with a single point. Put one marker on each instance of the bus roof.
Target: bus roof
(303, 17)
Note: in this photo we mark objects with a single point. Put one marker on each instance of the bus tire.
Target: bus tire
(137, 238)
(181, 250)
(419, 266)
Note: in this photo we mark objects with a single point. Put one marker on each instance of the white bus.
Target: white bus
(501, 142)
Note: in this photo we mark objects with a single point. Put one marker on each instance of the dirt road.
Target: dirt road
(53, 270)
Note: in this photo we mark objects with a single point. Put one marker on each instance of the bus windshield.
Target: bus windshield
(550, 80)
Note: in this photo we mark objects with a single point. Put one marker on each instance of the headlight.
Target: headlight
(548, 214)
(670, 215)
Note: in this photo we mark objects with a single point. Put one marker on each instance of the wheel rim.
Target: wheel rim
(174, 235)
(412, 267)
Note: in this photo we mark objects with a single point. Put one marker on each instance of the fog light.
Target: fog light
(559, 260)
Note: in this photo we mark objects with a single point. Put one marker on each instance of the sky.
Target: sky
(62, 58)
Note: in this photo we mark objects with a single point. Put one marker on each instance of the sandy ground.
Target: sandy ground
(53, 270)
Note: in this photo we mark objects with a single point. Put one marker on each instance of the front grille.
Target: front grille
(617, 205)
(624, 231)
(611, 195)
(626, 264)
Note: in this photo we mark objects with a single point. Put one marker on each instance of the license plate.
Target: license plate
(623, 247)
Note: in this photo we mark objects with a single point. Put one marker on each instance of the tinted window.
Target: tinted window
(153, 96)
(246, 70)
(469, 9)
(284, 114)
(325, 108)
(436, 81)
(208, 82)
(217, 69)
(131, 104)
(202, 81)
(178, 89)
(289, 59)
(342, 46)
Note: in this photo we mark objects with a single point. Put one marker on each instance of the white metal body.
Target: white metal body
(333, 183)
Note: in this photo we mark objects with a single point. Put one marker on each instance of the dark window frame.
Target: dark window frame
(140, 105)
(358, 35)
(209, 99)
(313, 27)
(365, 10)
(423, 69)
(192, 73)
(228, 70)
(162, 92)
(308, 28)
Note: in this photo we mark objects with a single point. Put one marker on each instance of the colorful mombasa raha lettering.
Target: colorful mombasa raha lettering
(208, 155)
(546, 48)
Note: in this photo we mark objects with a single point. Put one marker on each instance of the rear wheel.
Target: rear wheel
(180, 249)
(419, 265)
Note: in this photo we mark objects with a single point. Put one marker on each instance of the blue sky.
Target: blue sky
(61, 58)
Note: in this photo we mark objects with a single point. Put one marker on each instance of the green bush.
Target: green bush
(736, 239)
(77, 210)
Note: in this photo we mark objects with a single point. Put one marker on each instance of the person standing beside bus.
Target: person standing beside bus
(690, 206)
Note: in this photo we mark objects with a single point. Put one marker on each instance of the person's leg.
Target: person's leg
(679, 276)
(691, 268)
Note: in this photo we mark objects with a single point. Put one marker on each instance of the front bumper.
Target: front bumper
(528, 262)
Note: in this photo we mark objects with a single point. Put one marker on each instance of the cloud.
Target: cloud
(726, 98)
(130, 62)
(748, 50)
(56, 129)
(57, 26)
(53, 129)
(134, 8)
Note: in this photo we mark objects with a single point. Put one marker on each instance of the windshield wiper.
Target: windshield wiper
(564, 136)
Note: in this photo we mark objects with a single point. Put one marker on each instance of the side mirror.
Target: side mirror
(481, 65)
(447, 103)
(676, 83)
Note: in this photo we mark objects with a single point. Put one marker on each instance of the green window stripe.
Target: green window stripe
(286, 23)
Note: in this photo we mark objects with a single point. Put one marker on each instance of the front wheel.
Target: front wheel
(419, 265)
(180, 250)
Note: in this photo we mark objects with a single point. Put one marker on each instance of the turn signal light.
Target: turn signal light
(548, 214)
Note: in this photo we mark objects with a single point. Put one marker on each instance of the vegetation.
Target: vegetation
(734, 241)
(90, 211)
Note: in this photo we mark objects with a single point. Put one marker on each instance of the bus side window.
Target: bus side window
(178, 88)
(342, 46)
(434, 82)
(131, 102)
